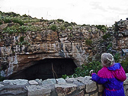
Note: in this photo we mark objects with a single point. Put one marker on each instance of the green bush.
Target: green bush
(73, 23)
(110, 45)
(24, 15)
(66, 24)
(21, 39)
(62, 27)
(70, 27)
(85, 69)
(33, 28)
(22, 29)
(10, 19)
(7, 20)
(124, 64)
(117, 57)
(16, 20)
(60, 20)
(106, 36)
(53, 27)
(12, 14)
(10, 30)
(88, 42)
(64, 76)
(101, 27)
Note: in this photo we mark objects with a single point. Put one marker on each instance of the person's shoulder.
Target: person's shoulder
(103, 70)
(115, 66)
(104, 73)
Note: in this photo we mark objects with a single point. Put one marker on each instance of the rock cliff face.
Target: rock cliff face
(122, 34)
(21, 45)
(19, 50)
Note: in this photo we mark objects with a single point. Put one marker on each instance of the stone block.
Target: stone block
(126, 94)
(125, 88)
(126, 81)
(74, 81)
(1, 85)
(49, 81)
(95, 94)
(79, 85)
(13, 90)
(100, 88)
(61, 81)
(80, 79)
(65, 89)
(36, 90)
(33, 82)
(39, 81)
(16, 82)
(81, 93)
(90, 85)
(70, 80)
(86, 95)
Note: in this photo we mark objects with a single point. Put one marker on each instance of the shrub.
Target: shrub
(21, 39)
(64, 76)
(70, 27)
(12, 14)
(85, 69)
(10, 30)
(22, 28)
(67, 24)
(124, 64)
(101, 27)
(117, 57)
(88, 42)
(73, 23)
(53, 27)
(7, 20)
(106, 36)
(33, 28)
(16, 20)
(110, 45)
(62, 27)
(24, 15)
(60, 20)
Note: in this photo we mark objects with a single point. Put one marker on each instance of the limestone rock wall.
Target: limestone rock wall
(121, 34)
(20, 50)
(81, 86)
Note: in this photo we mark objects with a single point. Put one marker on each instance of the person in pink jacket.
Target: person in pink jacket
(111, 76)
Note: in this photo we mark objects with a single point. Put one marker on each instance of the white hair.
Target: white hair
(107, 59)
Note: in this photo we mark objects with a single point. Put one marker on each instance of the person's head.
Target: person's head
(107, 59)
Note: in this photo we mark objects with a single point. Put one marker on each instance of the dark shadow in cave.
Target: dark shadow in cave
(47, 68)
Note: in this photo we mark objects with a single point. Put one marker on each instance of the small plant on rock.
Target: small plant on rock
(53, 27)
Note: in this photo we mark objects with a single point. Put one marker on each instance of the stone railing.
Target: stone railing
(81, 86)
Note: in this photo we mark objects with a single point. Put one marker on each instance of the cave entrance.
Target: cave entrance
(47, 68)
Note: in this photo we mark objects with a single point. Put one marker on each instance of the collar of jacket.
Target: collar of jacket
(114, 67)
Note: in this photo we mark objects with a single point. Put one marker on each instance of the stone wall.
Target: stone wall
(81, 86)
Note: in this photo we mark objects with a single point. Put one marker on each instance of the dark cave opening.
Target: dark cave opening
(47, 68)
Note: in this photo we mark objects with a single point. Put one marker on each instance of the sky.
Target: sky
(93, 12)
